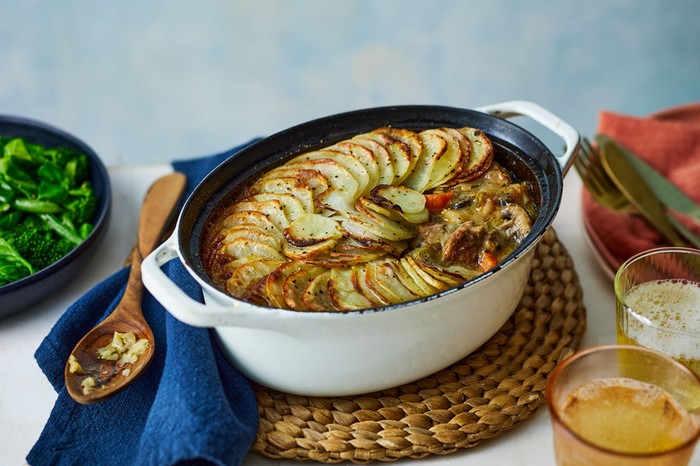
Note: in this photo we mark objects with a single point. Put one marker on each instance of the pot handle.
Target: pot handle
(571, 137)
(168, 293)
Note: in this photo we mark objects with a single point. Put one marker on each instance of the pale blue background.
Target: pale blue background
(149, 81)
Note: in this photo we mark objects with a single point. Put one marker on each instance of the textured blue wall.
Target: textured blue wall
(149, 81)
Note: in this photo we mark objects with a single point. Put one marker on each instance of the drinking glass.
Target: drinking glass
(623, 405)
(657, 294)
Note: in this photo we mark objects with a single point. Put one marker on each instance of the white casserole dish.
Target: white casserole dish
(334, 353)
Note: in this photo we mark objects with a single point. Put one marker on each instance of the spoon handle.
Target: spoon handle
(157, 211)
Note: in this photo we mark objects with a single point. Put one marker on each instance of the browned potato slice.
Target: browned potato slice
(432, 281)
(359, 280)
(366, 204)
(272, 289)
(382, 227)
(448, 164)
(433, 148)
(337, 175)
(250, 232)
(286, 185)
(342, 292)
(310, 229)
(407, 280)
(242, 247)
(410, 139)
(312, 178)
(399, 153)
(411, 274)
(250, 217)
(387, 283)
(401, 197)
(481, 155)
(439, 273)
(381, 154)
(272, 209)
(249, 273)
(296, 283)
(360, 233)
(307, 252)
(293, 209)
(366, 158)
(315, 296)
(349, 162)
(465, 146)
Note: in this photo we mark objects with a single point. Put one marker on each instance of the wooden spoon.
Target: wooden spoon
(157, 212)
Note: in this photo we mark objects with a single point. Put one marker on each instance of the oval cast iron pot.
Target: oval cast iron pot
(344, 353)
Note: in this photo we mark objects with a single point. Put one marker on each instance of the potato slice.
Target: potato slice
(334, 200)
(382, 227)
(272, 209)
(315, 296)
(401, 197)
(360, 233)
(405, 279)
(342, 292)
(439, 273)
(310, 229)
(250, 217)
(448, 164)
(394, 214)
(381, 154)
(481, 155)
(242, 247)
(433, 148)
(249, 273)
(312, 178)
(408, 271)
(399, 153)
(337, 175)
(410, 139)
(250, 232)
(293, 209)
(432, 281)
(381, 277)
(305, 253)
(359, 280)
(286, 185)
(296, 283)
(365, 157)
(272, 289)
(348, 161)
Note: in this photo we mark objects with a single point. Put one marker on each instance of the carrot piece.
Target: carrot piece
(437, 201)
(487, 261)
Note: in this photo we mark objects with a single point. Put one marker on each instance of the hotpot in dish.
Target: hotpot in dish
(332, 353)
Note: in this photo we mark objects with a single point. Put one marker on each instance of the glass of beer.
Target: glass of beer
(657, 294)
(623, 405)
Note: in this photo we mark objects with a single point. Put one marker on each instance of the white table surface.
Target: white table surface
(26, 397)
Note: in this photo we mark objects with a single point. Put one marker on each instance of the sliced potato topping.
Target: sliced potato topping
(355, 224)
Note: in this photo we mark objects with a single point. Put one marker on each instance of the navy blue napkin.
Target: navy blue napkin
(190, 406)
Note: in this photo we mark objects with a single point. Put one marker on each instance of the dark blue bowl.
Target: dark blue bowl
(20, 295)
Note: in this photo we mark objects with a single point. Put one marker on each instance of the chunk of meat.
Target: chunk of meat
(517, 222)
(463, 245)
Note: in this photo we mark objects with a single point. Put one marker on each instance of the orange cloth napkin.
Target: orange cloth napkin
(670, 142)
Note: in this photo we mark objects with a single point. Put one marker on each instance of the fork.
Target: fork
(606, 193)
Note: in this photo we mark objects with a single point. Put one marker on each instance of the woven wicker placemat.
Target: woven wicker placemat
(490, 391)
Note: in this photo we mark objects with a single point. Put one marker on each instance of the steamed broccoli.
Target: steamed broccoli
(47, 206)
(40, 248)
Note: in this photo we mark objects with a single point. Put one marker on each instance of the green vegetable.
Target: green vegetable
(47, 206)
